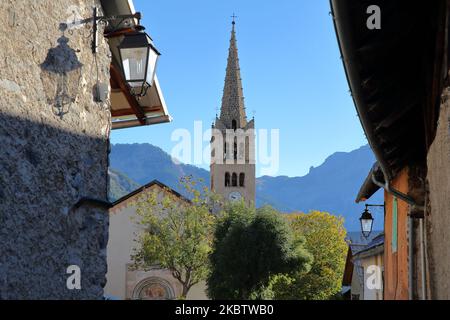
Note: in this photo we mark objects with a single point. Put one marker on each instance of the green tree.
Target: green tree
(249, 247)
(325, 239)
(176, 236)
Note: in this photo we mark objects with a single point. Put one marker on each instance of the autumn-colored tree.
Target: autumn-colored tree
(325, 239)
(176, 236)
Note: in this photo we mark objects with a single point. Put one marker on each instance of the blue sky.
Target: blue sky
(292, 74)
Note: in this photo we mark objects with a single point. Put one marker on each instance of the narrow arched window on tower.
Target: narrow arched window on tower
(227, 179)
(235, 148)
(242, 179)
(224, 150)
(234, 181)
(234, 125)
(213, 150)
(247, 149)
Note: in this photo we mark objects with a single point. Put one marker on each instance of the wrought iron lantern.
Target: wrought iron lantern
(366, 222)
(139, 58)
(138, 55)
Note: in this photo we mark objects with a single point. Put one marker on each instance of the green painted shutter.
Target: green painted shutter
(394, 225)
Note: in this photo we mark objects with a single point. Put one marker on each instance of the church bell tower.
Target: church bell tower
(233, 138)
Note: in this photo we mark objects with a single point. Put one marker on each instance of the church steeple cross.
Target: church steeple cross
(234, 18)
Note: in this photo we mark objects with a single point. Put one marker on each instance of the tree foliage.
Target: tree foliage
(249, 247)
(176, 236)
(325, 239)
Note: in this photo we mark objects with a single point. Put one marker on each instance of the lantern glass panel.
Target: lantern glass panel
(366, 225)
(134, 61)
(151, 68)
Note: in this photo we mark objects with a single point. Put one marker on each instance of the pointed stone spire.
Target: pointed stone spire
(233, 107)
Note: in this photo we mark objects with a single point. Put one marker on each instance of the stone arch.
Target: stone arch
(153, 288)
(235, 148)
(242, 179)
(234, 125)
(227, 179)
(225, 150)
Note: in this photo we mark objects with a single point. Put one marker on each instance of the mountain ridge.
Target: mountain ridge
(331, 186)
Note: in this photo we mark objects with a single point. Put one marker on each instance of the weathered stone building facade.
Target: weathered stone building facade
(58, 103)
(54, 152)
(438, 219)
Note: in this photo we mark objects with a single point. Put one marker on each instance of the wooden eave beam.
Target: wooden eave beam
(137, 109)
(126, 112)
(118, 33)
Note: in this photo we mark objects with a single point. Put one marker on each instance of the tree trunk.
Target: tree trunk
(185, 292)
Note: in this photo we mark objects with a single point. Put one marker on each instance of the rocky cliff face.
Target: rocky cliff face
(54, 152)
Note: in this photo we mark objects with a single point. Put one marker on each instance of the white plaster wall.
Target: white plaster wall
(120, 282)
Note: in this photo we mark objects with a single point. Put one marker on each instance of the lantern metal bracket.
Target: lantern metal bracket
(374, 205)
(105, 19)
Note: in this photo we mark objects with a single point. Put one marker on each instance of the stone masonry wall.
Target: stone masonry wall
(54, 141)
(438, 220)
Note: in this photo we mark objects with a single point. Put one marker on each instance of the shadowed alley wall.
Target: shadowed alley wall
(54, 151)
(438, 220)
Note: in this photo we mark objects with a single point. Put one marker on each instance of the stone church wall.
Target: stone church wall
(54, 151)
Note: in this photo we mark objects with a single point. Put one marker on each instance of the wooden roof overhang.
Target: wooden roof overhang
(127, 110)
(368, 187)
(348, 269)
(395, 74)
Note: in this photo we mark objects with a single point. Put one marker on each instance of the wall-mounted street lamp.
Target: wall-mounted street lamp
(138, 55)
(366, 220)
(138, 58)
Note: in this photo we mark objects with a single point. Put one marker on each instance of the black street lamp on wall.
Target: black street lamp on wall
(138, 55)
(138, 58)
(366, 220)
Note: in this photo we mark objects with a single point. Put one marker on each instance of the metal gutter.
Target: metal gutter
(389, 189)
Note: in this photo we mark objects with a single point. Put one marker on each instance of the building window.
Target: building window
(241, 179)
(247, 149)
(227, 179)
(234, 181)
(224, 150)
(234, 125)
(235, 148)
